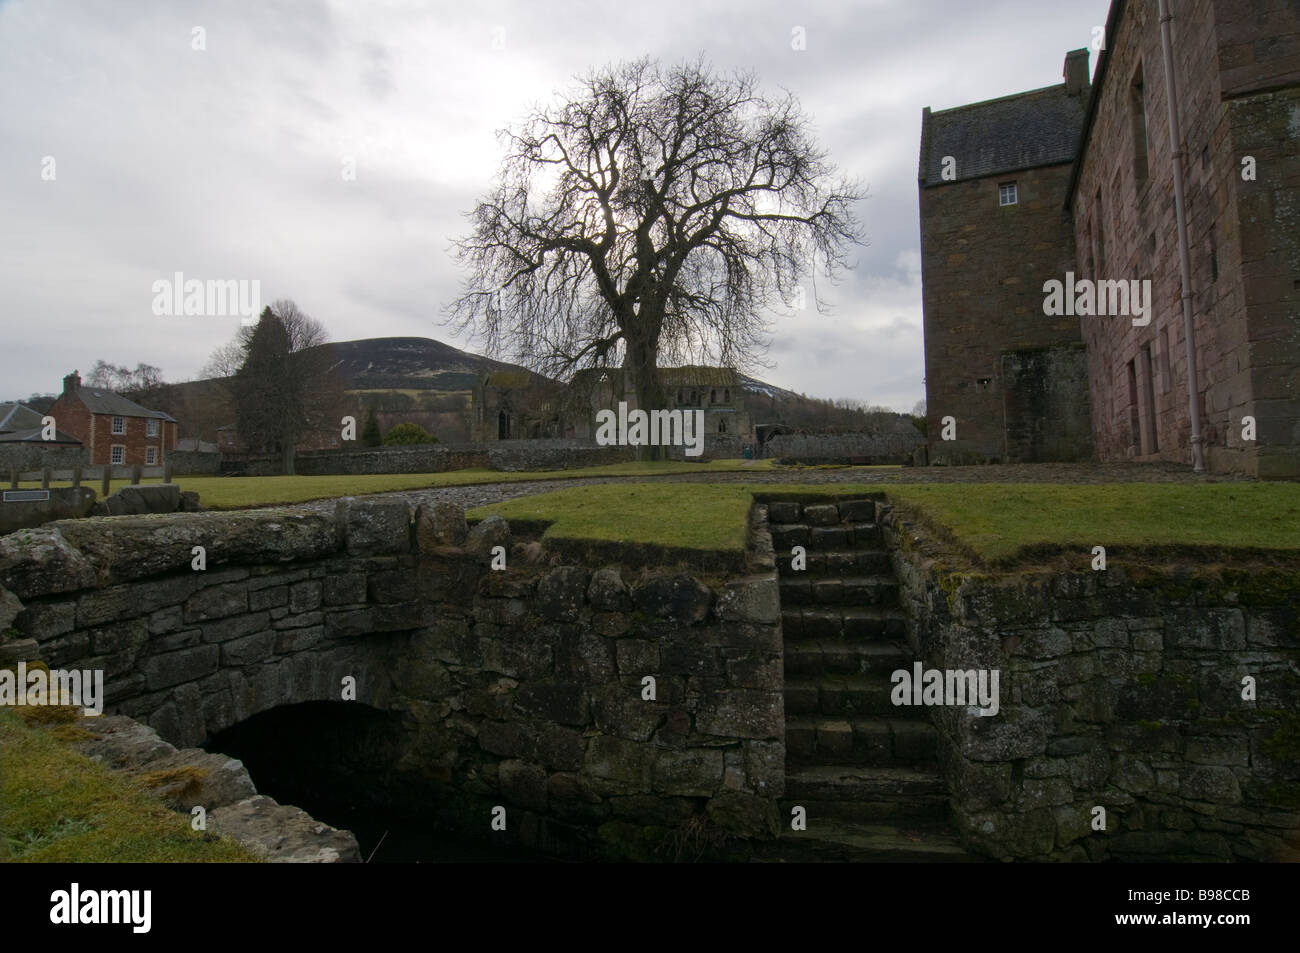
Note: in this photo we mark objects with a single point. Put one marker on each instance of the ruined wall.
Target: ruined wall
(505, 455)
(520, 687)
(1117, 691)
(1045, 420)
(859, 448)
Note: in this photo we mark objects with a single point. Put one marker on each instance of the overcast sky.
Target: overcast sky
(226, 162)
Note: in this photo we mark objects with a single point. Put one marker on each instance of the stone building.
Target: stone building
(718, 391)
(1076, 182)
(515, 405)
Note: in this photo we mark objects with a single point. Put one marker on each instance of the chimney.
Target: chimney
(1076, 72)
(72, 383)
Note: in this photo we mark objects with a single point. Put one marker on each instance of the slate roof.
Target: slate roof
(688, 375)
(34, 436)
(1024, 131)
(15, 416)
(100, 401)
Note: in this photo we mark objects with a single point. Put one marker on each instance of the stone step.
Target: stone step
(819, 737)
(846, 692)
(860, 591)
(822, 514)
(838, 563)
(863, 791)
(832, 839)
(828, 658)
(826, 538)
(848, 622)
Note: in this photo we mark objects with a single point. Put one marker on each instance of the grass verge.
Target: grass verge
(996, 524)
(57, 805)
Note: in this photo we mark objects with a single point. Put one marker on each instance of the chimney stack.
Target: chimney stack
(72, 383)
(1076, 72)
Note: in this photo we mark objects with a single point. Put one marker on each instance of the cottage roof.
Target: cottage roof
(101, 401)
(1008, 134)
(34, 436)
(16, 416)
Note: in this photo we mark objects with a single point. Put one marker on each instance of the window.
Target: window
(117, 456)
(722, 426)
(1150, 437)
(713, 395)
(151, 427)
(151, 456)
(1007, 194)
(1138, 112)
(119, 425)
(726, 395)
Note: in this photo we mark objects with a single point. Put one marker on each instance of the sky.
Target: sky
(329, 150)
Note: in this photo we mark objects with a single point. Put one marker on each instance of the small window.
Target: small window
(722, 426)
(985, 383)
(117, 456)
(151, 456)
(119, 425)
(726, 395)
(713, 395)
(1007, 194)
(151, 427)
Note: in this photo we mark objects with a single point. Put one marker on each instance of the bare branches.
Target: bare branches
(654, 214)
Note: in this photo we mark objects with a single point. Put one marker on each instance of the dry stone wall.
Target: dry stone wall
(1118, 691)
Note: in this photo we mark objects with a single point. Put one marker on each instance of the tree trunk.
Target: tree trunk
(641, 362)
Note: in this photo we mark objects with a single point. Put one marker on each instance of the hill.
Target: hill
(411, 364)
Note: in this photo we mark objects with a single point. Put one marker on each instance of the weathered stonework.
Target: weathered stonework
(1120, 691)
(521, 687)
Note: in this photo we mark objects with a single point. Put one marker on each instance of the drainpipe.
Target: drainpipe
(1184, 254)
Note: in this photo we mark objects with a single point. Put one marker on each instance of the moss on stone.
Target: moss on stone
(1284, 743)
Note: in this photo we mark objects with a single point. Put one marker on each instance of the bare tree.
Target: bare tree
(287, 383)
(123, 380)
(656, 213)
(226, 359)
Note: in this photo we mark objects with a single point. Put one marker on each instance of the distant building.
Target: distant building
(718, 391)
(229, 440)
(114, 429)
(515, 405)
(16, 417)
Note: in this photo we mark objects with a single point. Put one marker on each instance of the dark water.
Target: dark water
(334, 760)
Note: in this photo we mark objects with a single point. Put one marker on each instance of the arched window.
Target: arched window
(679, 395)
(722, 426)
(726, 395)
(695, 398)
(713, 396)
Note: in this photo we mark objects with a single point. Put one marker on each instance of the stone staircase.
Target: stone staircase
(863, 769)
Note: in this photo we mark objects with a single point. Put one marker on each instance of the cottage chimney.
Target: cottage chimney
(72, 383)
(1076, 72)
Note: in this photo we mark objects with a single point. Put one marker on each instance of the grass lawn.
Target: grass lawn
(57, 805)
(224, 493)
(999, 524)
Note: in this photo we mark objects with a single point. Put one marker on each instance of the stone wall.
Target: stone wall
(26, 457)
(505, 455)
(1245, 254)
(521, 687)
(1045, 419)
(1120, 690)
(194, 462)
(860, 448)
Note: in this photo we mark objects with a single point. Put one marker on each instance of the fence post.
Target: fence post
(106, 478)
(167, 472)
(45, 478)
(13, 478)
(135, 475)
(76, 477)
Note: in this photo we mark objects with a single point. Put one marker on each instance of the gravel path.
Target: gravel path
(485, 493)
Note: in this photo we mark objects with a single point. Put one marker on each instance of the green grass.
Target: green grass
(674, 515)
(224, 493)
(997, 523)
(57, 806)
